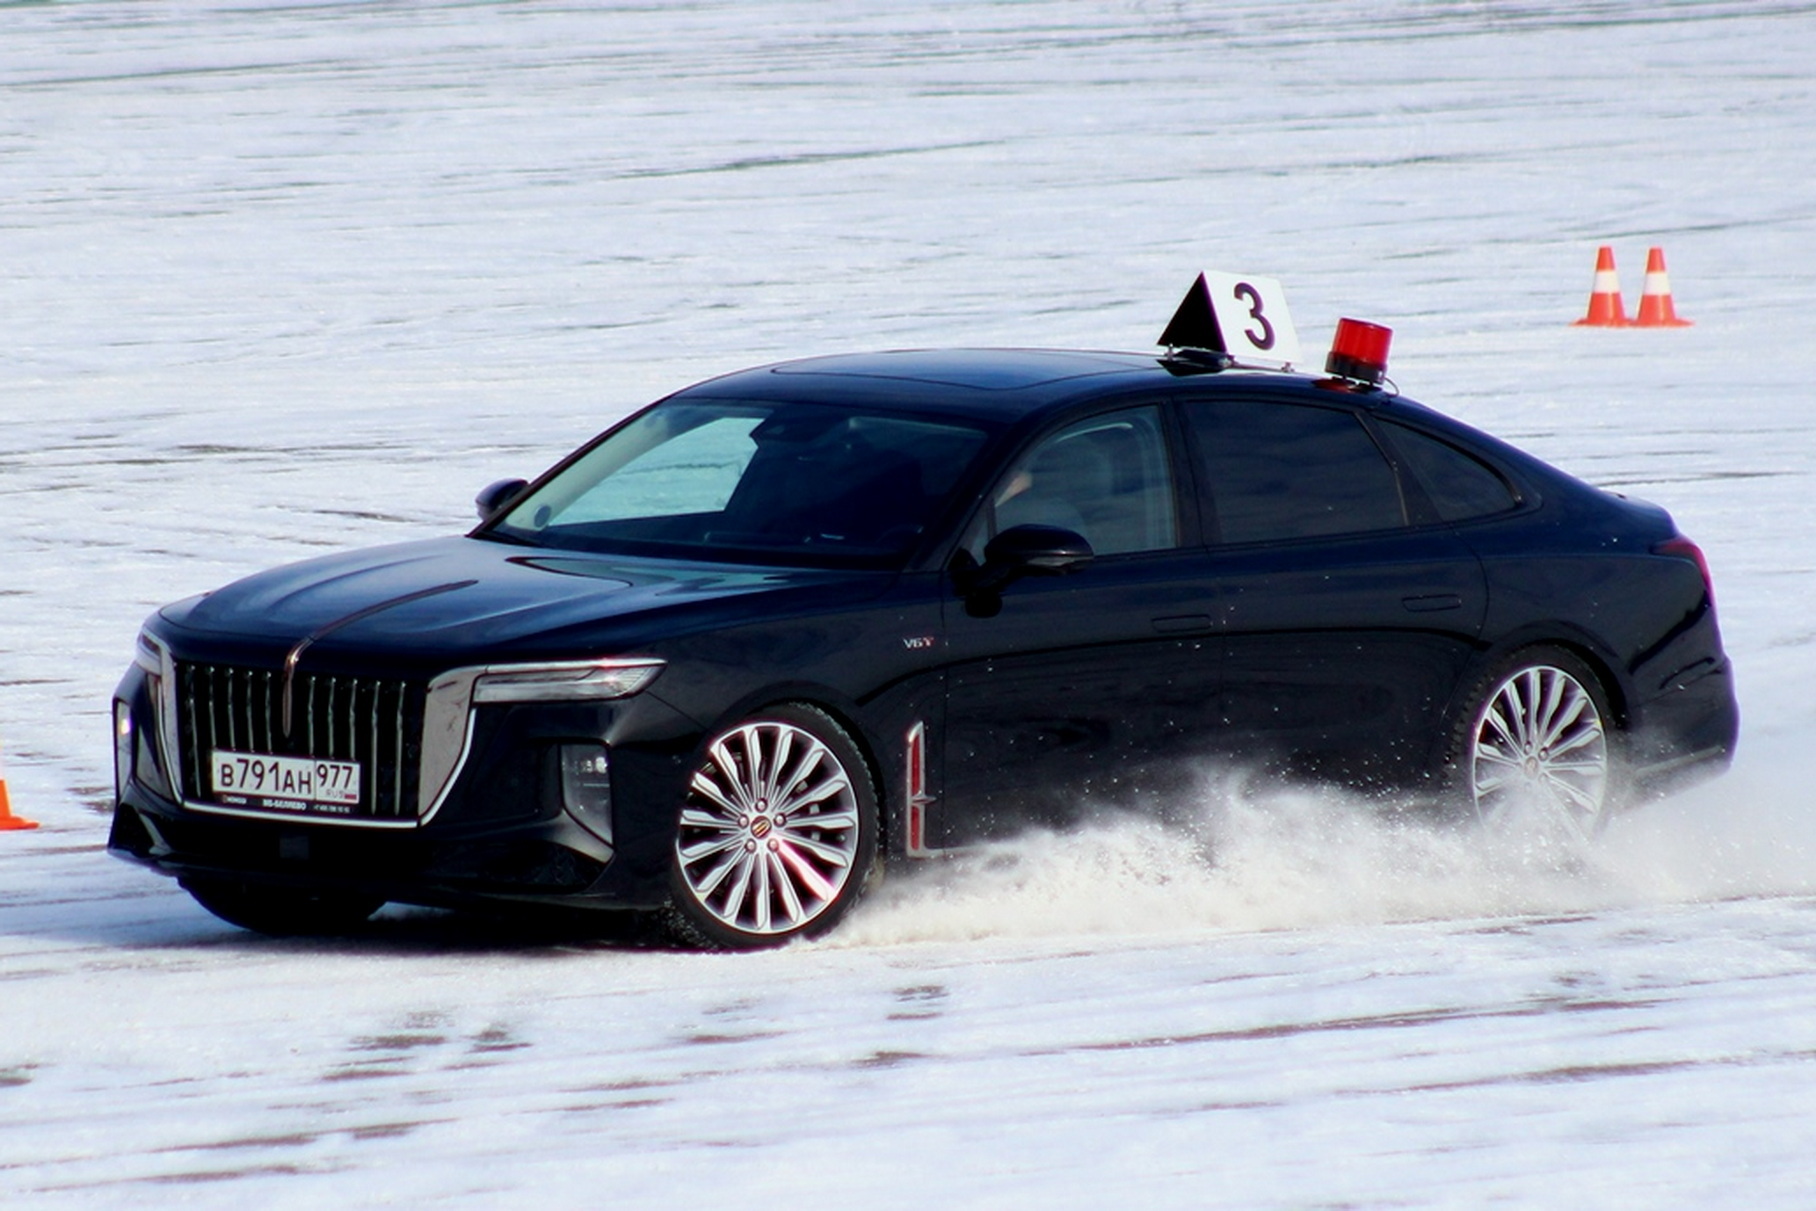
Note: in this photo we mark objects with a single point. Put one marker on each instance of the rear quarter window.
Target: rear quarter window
(1460, 485)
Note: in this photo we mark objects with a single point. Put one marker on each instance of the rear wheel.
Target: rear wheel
(777, 833)
(1537, 757)
(282, 911)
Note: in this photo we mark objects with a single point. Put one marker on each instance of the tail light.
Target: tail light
(1680, 547)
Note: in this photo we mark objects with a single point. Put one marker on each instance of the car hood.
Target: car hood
(467, 599)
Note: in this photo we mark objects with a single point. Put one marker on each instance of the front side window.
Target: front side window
(768, 483)
(1277, 471)
(1107, 478)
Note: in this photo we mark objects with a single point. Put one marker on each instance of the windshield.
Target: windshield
(771, 483)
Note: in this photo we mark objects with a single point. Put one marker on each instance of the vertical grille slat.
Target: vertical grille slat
(240, 712)
(189, 738)
(340, 722)
(375, 780)
(230, 709)
(271, 714)
(260, 685)
(372, 721)
(330, 718)
(397, 760)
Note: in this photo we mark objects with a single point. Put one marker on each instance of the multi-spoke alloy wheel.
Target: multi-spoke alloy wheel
(1538, 752)
(777, 831)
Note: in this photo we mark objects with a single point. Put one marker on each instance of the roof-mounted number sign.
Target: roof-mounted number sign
(1242, 315)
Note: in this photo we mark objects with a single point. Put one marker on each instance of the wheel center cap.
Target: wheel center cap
(759, 828)
(1532, 767)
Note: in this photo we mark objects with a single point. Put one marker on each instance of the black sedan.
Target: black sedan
(786, 626)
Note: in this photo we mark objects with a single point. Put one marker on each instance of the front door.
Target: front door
(1072, 695)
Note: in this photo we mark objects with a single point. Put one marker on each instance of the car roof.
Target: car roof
(1009, 386)
(993, 384)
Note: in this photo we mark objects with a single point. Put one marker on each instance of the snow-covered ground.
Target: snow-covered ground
(285, 277)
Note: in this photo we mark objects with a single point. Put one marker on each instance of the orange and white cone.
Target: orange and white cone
(1605, 307)
(7, 819)
(1655, 307)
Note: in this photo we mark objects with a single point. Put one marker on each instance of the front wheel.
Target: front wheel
(777, 833)
(1537, 756)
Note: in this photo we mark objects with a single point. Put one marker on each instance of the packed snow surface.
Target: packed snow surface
(286, 278)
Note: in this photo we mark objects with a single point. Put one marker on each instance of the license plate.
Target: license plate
(293, 783)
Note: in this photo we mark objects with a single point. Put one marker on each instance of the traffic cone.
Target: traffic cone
(1605, 308)
(1655, 308)
(9, 821)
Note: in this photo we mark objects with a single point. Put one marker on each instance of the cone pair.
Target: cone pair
(1656, 309)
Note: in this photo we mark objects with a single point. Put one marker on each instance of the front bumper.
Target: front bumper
(502, 832)
(550, 860)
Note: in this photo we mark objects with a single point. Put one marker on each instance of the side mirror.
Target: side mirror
(494, 498)
(1037, 551)
(1020, 551)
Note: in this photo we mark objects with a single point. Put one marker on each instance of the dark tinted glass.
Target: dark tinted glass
(1460, 485)
(1106, 478)
(768, 483)
(1277, 471)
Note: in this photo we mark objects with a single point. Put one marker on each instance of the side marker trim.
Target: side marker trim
(916, 799)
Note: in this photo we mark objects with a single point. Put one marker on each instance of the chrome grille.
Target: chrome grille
(373, 721)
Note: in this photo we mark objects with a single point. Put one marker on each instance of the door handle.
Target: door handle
(1183, 624)
(1428, 602)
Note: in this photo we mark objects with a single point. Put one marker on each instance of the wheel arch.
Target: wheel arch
(1597, 656)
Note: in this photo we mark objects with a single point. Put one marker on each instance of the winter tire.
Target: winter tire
(1537, 753)
(777, 834)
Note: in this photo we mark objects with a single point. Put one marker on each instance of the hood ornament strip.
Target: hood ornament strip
(295, 655)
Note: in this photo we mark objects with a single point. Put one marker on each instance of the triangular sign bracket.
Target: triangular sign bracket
(1194, 325)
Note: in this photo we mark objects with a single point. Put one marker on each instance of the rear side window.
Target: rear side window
(1460, 485)
(1276, 471)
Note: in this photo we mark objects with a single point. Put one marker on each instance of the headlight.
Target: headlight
(574, 681)
(149, 655)
(446, 729)
(136, 739)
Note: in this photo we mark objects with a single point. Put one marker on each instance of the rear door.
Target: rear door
(1347, 611)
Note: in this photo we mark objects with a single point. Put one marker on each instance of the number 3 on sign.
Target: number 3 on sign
(1252, 317)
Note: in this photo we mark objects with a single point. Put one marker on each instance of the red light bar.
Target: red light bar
(1359, 351)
